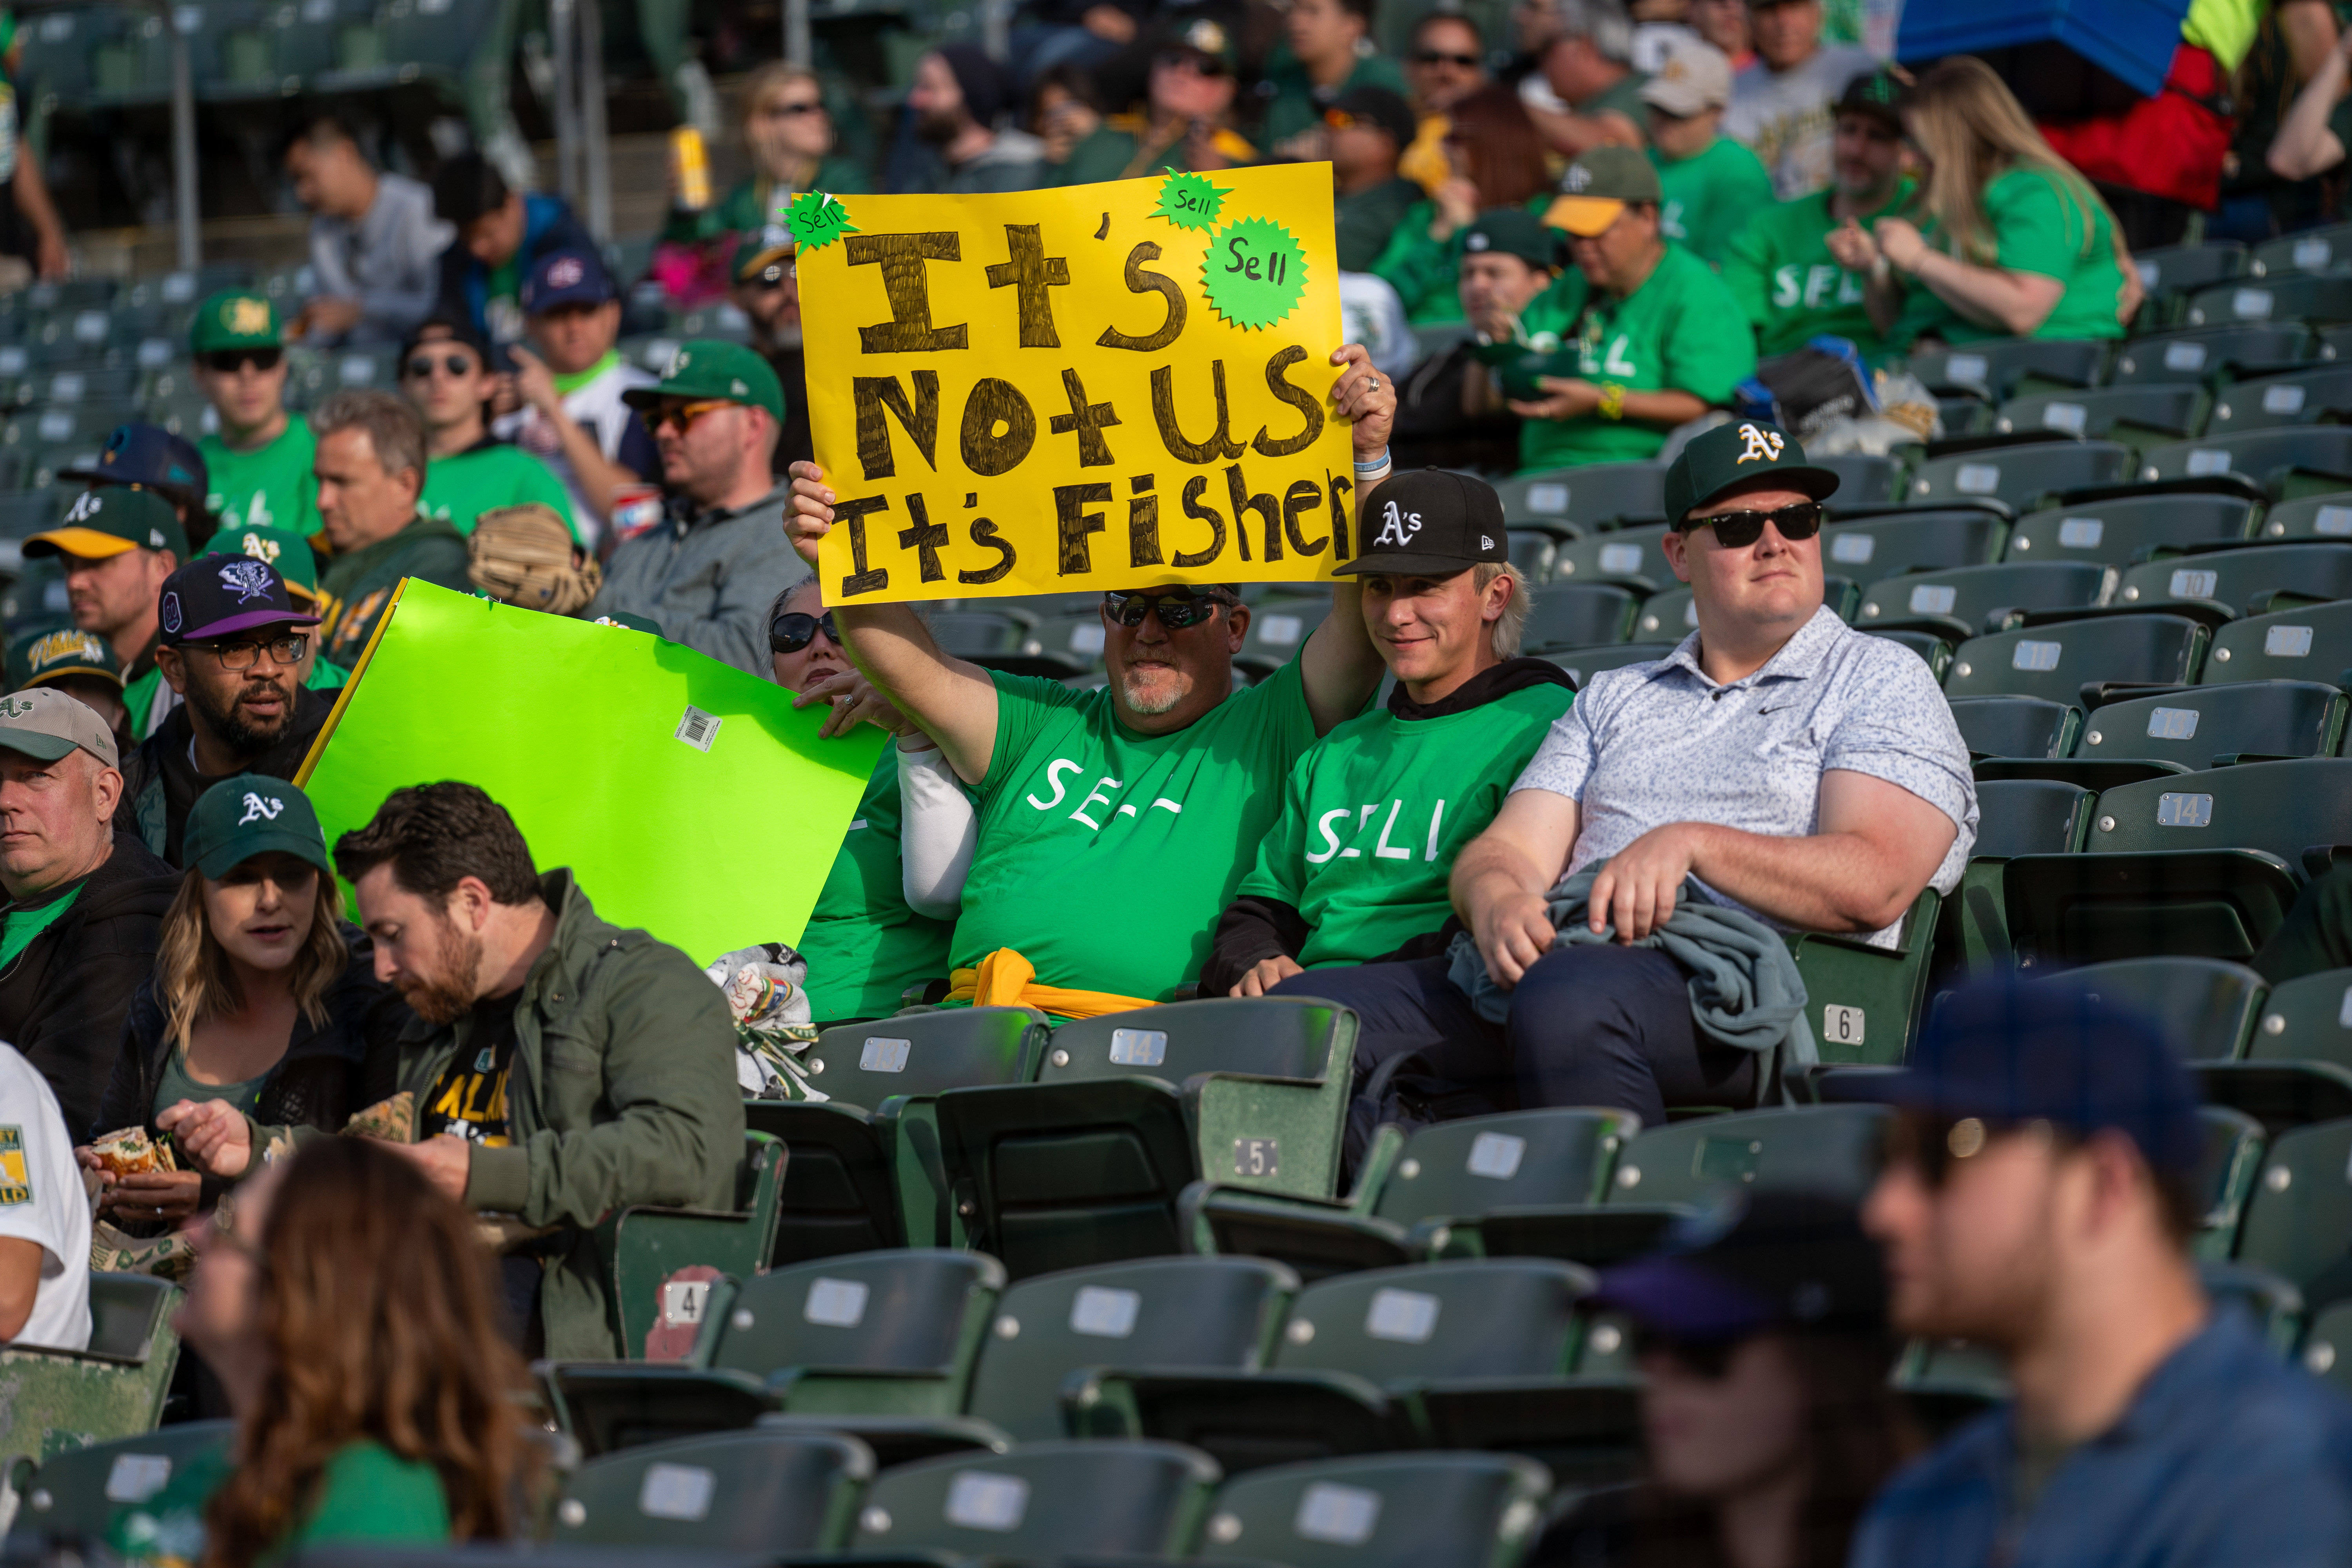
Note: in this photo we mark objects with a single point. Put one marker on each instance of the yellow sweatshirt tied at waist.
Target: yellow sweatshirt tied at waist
(1005, 979)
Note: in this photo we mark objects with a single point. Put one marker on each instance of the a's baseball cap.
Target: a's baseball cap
(567, 278)
(1597, 187)
(763, 256)
(281, 547)
(1513, 231)
(235, 318)
(220, 596)
(2007, 1052)
(252, 814)
(150, 455)
(45, 724)
(1693, 77)
(1874, 92)
(1377, 106)
(1732, 455)
(1202, 35)
(112, 520)
(1431, 523)
(38, 657)
(1759, 1261)
(709, 367)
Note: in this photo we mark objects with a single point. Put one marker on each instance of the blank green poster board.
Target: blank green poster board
(688, 798)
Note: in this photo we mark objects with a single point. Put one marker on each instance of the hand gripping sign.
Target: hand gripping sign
(1100, 386)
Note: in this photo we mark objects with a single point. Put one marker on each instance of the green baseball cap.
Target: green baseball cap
(1598, 186)
(709, 367)
(251, 815)
(235, 318)
(1732, 456)
(38, 657)
(46, 725)
(113, 520)
(1512, 231)
(281, 547)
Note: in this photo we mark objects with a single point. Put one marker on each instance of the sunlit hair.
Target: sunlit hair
(1511, 629)
(381, 1323)
(774, 77)
(193, 980)
(1505, 150)
(1973, 130)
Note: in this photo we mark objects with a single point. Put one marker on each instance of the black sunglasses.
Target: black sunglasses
(456, 366)
(1432, 57)
(1708, 1360)
(1176, 614)
(1207, 64)
(792, 631)
(1738, 530)
(224, 362)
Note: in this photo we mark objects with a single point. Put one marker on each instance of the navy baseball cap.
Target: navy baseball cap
(563, 277)
(1758, 1261)
(150, 455)
(2010, 1052)
(220, 596)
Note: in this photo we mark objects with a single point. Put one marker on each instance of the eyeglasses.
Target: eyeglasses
(792, 631)
(227, 362)
(456, 367)
(246, 655)
(682, 414)
(810, 106)
(1738, 530)
(1935, 1146)
(1176, 614)
(1436, 58)
(774, 274)
(1707, 1360)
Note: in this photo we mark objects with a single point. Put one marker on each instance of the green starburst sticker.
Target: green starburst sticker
(1190, 201)
(817, 219)
(1253, 273)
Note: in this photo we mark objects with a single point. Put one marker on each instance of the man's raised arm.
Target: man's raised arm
(1339, 668)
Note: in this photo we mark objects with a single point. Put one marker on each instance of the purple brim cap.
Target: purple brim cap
(1682, 1300)
(245, 622)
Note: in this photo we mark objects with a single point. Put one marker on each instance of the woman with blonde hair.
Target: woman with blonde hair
(2012, 241)
(1497, 159)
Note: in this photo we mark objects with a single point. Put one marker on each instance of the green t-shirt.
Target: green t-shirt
(19, 928)
(367, 1494)
(1364, 222)
(175, 1086)
(862, 944)
(271, 487)
(2041, 227)
(1376, 811)
(1669, 333)
(1105, 857)
(1780, 270)
(1710, 198)
(460, 488)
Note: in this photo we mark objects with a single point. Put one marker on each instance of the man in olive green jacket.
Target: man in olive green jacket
(562, 1067)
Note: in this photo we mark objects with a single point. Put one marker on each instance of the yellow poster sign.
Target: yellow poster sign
(1099, 386)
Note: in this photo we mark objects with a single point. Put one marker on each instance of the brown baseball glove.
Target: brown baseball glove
(526, 555)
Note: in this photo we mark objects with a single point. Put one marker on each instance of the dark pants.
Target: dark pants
(1590, 1024)
(2317, 934)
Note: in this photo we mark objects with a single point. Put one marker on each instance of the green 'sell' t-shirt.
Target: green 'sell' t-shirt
(2041, 227)
(1711, 196)
(1376, 811)
(1105, 857)
(460, 488)
(268, 488)
(1780, 270)
(367, 1494)
(1676, 331)
(865, 947)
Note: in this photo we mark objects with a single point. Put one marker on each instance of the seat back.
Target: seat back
(2021, 476)
(2279, 808)
(1823, 1148)
(2231, 1159)
(1968, 595)
(732, 1492)
(1042, 1501)
(2327, 515)
(2328, 1347)
(2308, 1018)
(2207, 1005)
(1870, 548)
(2263, 456)
(2030, 816)
(1996, 366)
(2310, 643)
(1594, 493)
(1671, 615)
(1933, 651)
(1521, 1157)
(2018, 726)
(2314, 251)
(1578, 615)
(2198, 727)
(2300, 1214)
(2299, 397)
(1270, 1036)
(1387, 1510)
(1498, 1317)
(1631, 556)
(2168, 410)
(2259, 301)
(81, 1491)
(917, 1310)
(1864, 478)
(2205, 352)
(1278, 628)
(2117, 530)
(2239, 577)
(1210, 1313)
(927, 1052)
(2055, 661)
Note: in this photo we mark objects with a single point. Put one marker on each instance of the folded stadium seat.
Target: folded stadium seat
(872, 1333)
(758, 1491)
(2233, 1159)
(1278, 628)
(1057, 1502)
(2138, 415)
(83, 424)
(2015, 816)
(28, 513)
(1352, 1352)
(187, 414)
(1579, 615)
(113, 1388)
(2120, 530)
(2243, 581)
(865, 1171)
(1864, 1001)
(1963, 414)
(1593, 494)
(1960, 602)
(2327, 515)
(2328, 1347)
(2207, 1005)
(1401, 1511)
(2325, 249)
(2296, 1067)
(1938, 651)
(983, 637)
(2058, 659)
(2017, 726)
(2211, 726)
(644, 1245)
(1583, 663)
(2284, 463)
(2203, 865)
(2212, 354)
(1085, 1166)
(82, 1492)
(1667, 1171)
(1630, 556)
(2177, 268)
(109, 382)
(1419, 1195)
(1671, 615)
(1864, 478)
(1890, 543)
(1997, 366)
(2301, 1211)
(2021, 476)
(2309, 642)
(1531, 550)
(2301, 397)
(2251, 301)
(1067, 645)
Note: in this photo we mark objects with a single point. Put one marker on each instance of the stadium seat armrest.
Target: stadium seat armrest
(1274, 1135)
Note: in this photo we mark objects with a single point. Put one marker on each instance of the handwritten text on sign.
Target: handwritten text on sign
(1065, 390)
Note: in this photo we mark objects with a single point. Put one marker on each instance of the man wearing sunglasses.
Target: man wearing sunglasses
(572, 379)
(258, 461)
(445, 372)
(1330, 53)
(1370, 128)
(2042, 1196)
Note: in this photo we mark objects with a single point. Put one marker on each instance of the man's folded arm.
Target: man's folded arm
(1878, 845)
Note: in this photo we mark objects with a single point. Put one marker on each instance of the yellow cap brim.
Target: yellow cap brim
(1583, 217)
(85, 542)
(87, 672)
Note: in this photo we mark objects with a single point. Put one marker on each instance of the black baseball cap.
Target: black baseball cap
(1430, 523)
(152, 456)
(220, 596)
(1759, 1261)
(1732, 456)
(1512, 231)
(1378, 107)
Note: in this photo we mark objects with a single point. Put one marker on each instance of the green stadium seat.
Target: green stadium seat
(865, 1171)
(1059, 1502)
(1583, 663)
(1579, 615)
(2324, 516)
(82, 1493)
(2260, 301)
(644, 1247)
(1963, 414)
(1067, 645)
(2311, 642)
(758, 1491)
(1863, 478)
(1086, 1164)
(2156, 410)
(2243, 580)
(1937, 651)
(2296, 460)
(2300, 1213)
(2015, 816)
(2233, 1160)
(2301, 397)
(2021, 476)
(2203, 727)
(1673, 614)
(1531, 550)
(2057, 660)
(1960, 602)
(1593, 494)
(1630, 556)
(1997, 366)
(1418, 1195)
(1278, 628)
(2328, 1347)
(2017, 726)
(1867, 999)
(1401, 1511)
(2298, 1064)
(2177, 268)
(2211, 353)
(114, 1388)
(983, 637)
(1888, 544)
(2207, 1006)
(2328, 249)
(2120, 530)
